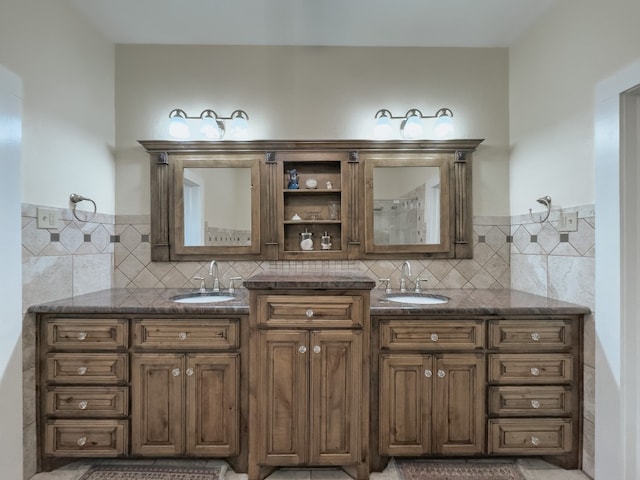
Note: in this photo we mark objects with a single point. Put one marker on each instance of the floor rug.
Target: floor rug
(150, 472)
(422, 470)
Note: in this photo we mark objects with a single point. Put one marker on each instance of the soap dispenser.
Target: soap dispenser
(325, 241)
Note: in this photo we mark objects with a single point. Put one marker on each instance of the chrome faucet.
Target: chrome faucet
(403, 282)
(216, 280)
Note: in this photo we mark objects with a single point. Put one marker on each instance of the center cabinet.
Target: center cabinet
(309, 380)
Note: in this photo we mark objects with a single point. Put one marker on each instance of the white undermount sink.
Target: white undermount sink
(416, 298)
(202, 298)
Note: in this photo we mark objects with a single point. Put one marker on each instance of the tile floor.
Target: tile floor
(532, 469)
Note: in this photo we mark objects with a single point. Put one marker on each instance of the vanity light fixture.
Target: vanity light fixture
(212, 125)
(411, 125)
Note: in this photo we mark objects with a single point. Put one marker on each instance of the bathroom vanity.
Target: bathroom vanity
(309, 370)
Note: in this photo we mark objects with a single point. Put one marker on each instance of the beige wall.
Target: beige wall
(69, 129)
(553, 72)
(311, 93)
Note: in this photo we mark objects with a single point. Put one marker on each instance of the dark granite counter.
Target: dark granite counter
(151, 301)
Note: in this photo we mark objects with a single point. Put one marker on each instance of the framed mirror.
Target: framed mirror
(215, 207)
(409, 204)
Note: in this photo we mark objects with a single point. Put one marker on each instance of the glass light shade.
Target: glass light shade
(443, 126)
(239, 128)
(383, 129)
(211, 128)
(178, 127)
(412, 128)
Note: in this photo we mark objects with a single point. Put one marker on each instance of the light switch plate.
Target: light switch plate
(568, 222)
(47, 218)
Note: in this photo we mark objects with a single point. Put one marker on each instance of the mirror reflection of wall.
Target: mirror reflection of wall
(406, 205)
(217, 206)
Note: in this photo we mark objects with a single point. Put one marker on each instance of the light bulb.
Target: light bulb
(383, 129)
(211, 128)
(178, 127)
(412, 128)
(239, 128)
(443, 126)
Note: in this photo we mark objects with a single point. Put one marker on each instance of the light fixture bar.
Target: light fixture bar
(211, 124)
(411, 126)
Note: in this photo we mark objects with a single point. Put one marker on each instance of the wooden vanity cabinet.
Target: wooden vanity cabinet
(431, 387)
(153, 387)
(309, 381)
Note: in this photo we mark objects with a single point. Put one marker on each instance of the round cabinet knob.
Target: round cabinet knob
(317, 349)
(175, 372)
(82, 441)
(535, 372)
(309, 313)
(82, 370)
(441, 373)
(302, 349)
(535, 441)
(189, 372)
(434, 337)
(82, 335)
(535, 403)
(535, 336)
(182, 335)
(428, 373)
(83, 405)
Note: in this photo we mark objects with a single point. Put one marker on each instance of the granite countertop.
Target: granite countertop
(151, 301)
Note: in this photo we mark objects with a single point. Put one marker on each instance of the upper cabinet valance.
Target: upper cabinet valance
(310, 200)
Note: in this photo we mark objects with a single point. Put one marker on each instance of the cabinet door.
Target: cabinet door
(212, 407)
(283, 396)
(157, 404)
(335, 396)
(406, 383)
(459, 409)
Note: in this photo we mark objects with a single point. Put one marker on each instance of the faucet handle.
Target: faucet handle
(387, 289)
(202, 287)
(232, 287)
(418, 280)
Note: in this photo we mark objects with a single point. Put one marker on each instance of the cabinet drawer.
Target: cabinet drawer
(218, 334)
(87, 401)
(293, 310)
(530, 335)
(538, 436)
(86, 438)
(530, 401)
(87, 334)
(530, 368)
(109, 368)
(432, 335)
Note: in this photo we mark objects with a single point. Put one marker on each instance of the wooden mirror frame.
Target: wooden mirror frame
(456, 242)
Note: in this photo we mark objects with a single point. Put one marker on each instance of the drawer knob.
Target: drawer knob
(535, 441)
(428, 373)
(82, 370)
(317, 349)
(302, 349)
(441, 373)
(309, 313)
(189, 372)
(535, 372)
(434, 337)
(535, 403)
(82, 335)
(82, 441)
(535, 336)
(175, 372)
(83, 405)
(182, 335)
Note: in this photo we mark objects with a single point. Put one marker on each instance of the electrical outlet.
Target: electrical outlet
(47, 218)
(568, 222)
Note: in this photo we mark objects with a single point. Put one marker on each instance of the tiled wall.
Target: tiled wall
(488, 269)
(75, 258)
(561, 265)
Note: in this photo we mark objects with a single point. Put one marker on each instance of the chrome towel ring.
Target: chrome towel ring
(75, 199)
(546, 201)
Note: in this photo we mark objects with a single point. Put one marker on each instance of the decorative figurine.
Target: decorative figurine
(293, 179)
(329, 185)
